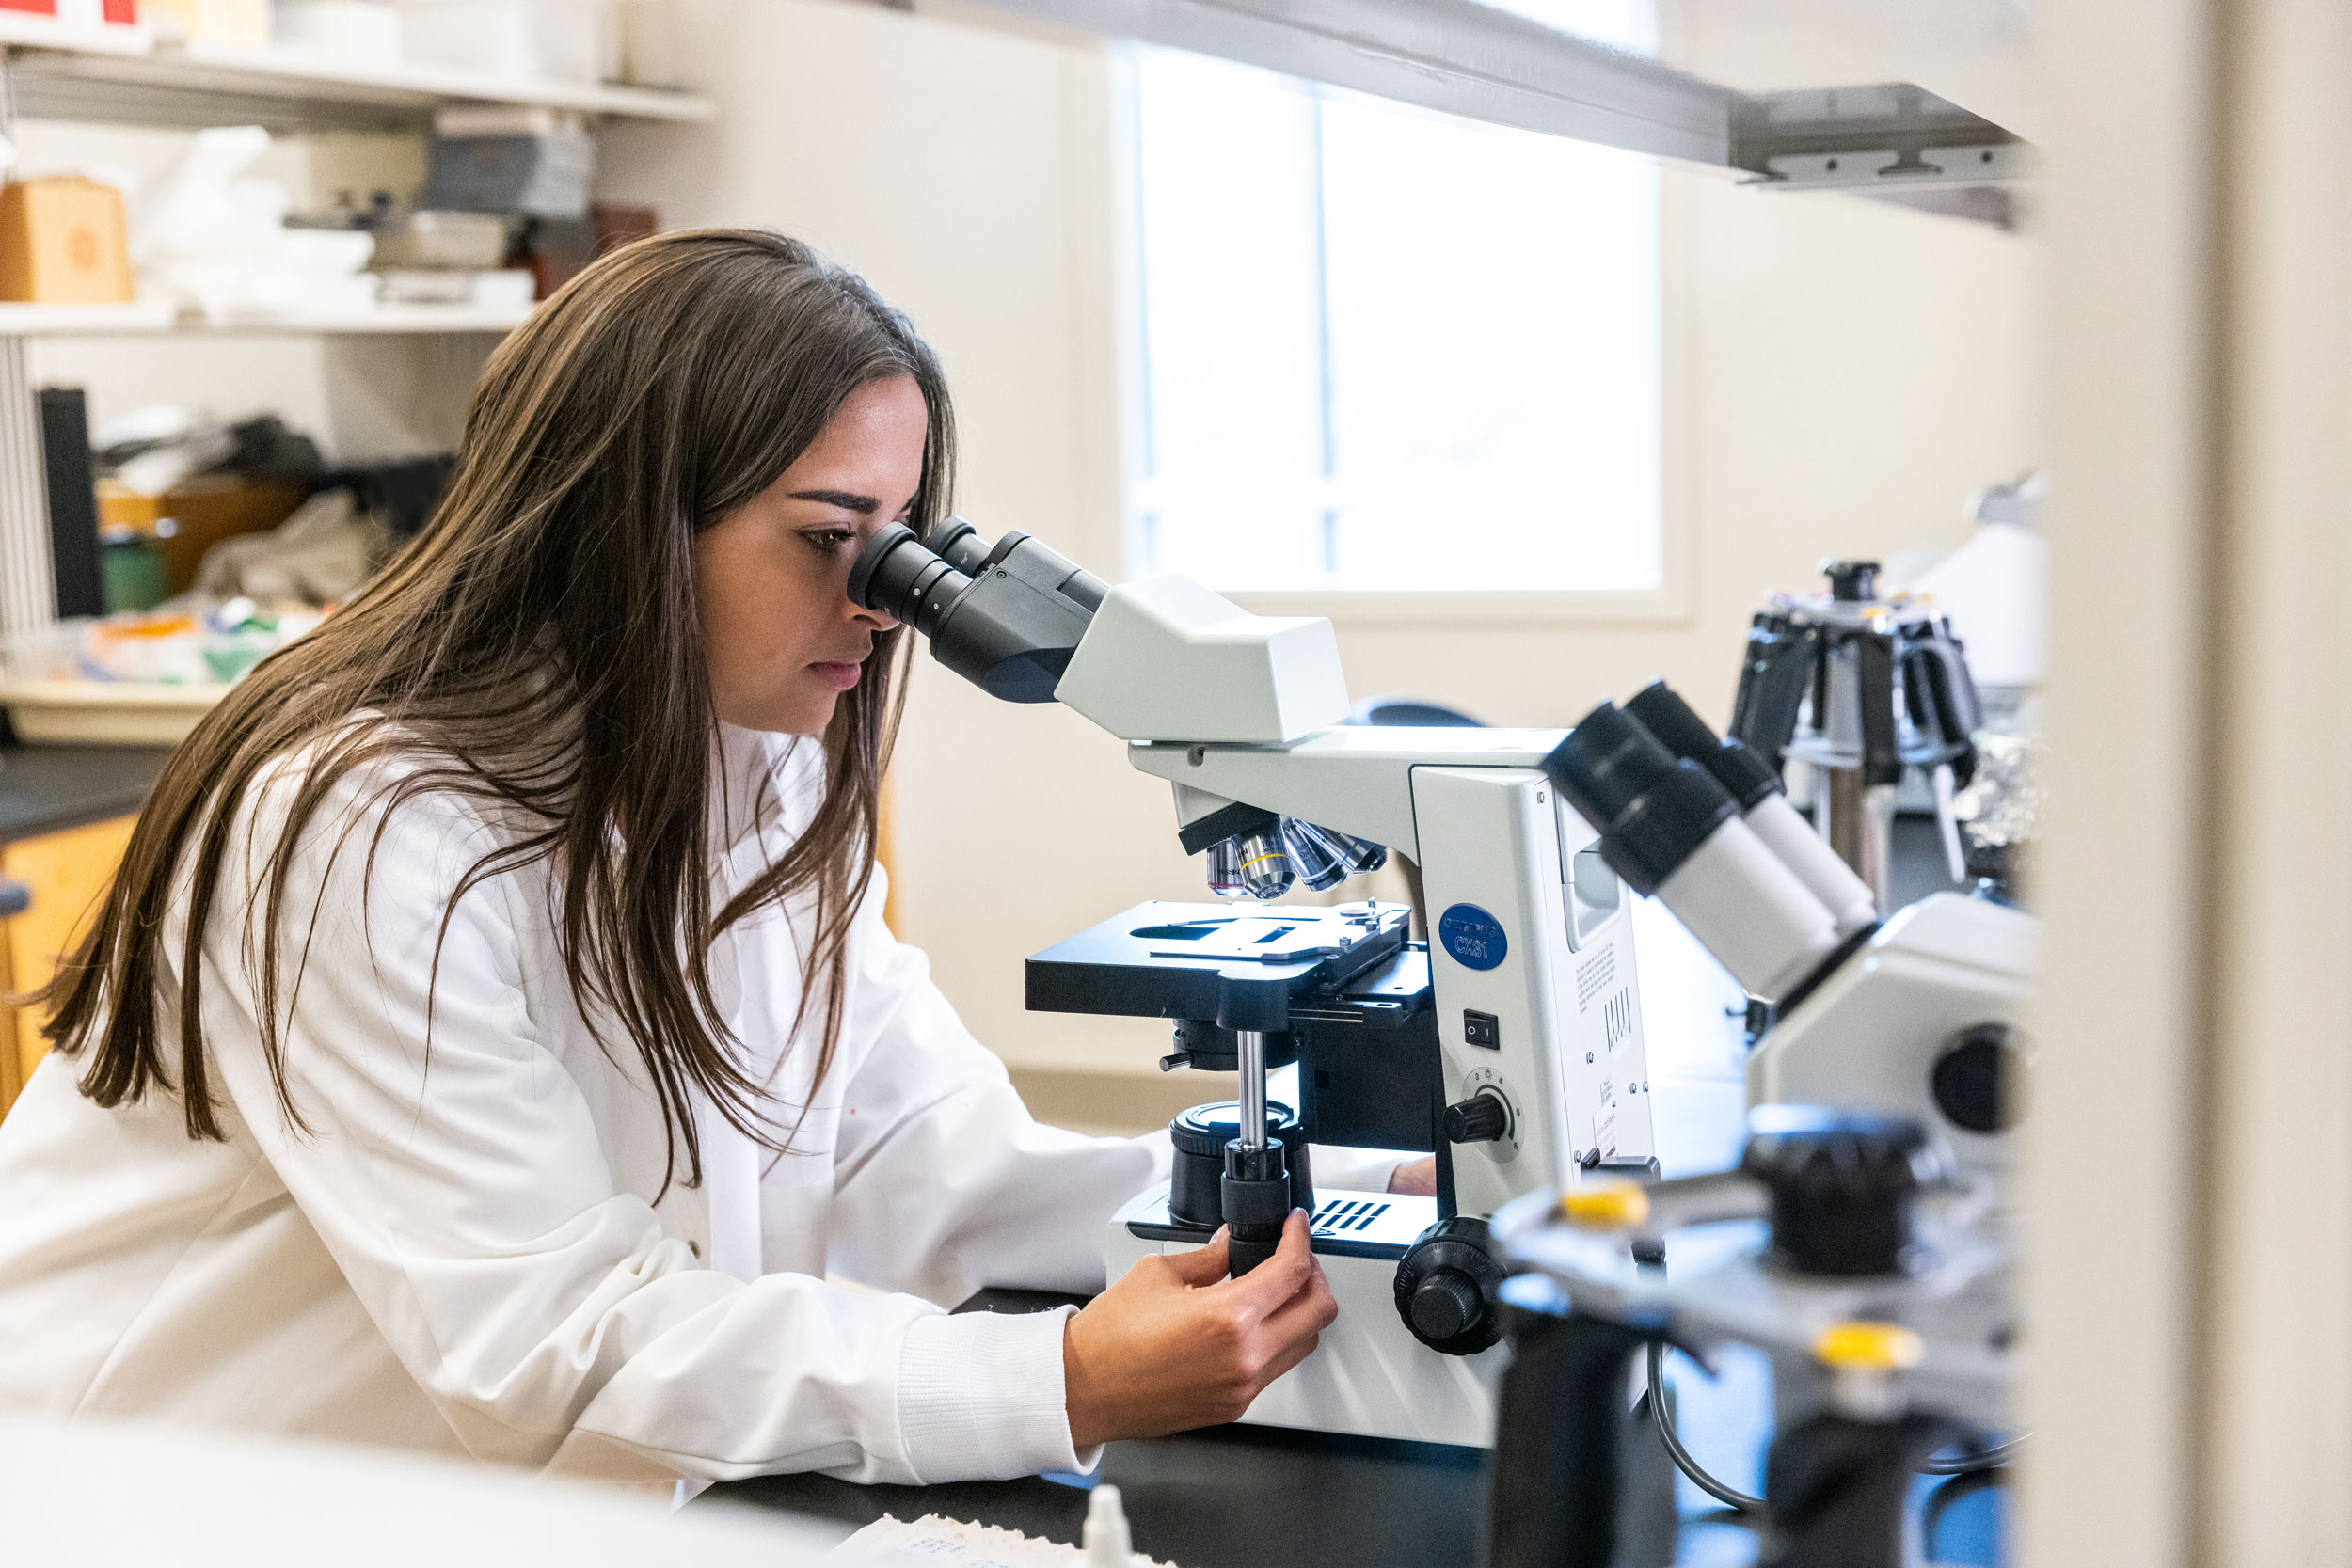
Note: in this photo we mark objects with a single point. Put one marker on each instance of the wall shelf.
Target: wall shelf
(74, 320)
(23, 29)
(126, 75)
(159, 319)
(123, 74)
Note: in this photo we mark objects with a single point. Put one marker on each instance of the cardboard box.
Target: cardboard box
(201, 512)
(63, 242)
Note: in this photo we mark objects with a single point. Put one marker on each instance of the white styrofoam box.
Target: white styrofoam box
(337, 252)
(224, 24)
(356, 32)
(503, 286)
(560, 40)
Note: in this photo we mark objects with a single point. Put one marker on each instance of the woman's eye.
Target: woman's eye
(830, 538)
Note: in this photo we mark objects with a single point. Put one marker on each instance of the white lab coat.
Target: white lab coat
(473, 1251)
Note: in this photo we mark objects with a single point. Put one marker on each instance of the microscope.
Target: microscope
(1880, 1283)
(1508, 1044)
(1918, 1015)
(1861, 687)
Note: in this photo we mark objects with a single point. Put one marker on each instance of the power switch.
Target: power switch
(1482, 1029)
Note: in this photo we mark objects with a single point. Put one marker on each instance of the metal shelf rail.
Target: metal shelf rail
(1481, 62)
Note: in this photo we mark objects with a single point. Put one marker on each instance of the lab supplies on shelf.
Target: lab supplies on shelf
(64, 240)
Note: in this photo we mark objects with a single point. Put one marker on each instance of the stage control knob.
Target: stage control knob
(1445, 1287)
(1481, 1118)
(1445, 1304)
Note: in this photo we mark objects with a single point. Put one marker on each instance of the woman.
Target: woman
(492, 1041)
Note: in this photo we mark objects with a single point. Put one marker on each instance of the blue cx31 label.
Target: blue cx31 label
(1472, 936)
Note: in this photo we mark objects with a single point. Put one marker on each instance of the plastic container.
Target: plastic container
(556, 40)
(137, 680)
(86, 713)
(131, 571)
(465, 242)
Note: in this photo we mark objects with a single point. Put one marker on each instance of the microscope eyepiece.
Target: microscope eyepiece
(1660, 709)
(1756, 784)
(1653, 809)
(1006, 617)
(1669, 828)
(903, 578)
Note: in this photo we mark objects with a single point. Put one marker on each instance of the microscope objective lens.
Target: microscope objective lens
(1265, 865)
(1224, 871)
(1318, 861)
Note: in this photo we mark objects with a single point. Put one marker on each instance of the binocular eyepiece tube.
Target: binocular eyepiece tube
(1755, 786)
(1670, 827)
(1005, 616)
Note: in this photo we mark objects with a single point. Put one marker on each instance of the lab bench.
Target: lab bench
(1227, 1497)
(66, 814)
(1243, 1496)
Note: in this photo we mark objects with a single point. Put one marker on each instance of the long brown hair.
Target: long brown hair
(538, 640)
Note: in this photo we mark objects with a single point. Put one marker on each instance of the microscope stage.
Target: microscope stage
(1190, 961)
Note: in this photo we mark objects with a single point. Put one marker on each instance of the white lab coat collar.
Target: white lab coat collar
(757, 777)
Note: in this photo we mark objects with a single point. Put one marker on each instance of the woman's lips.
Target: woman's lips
(841, 677)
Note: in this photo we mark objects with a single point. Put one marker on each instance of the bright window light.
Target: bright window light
(1384, 349)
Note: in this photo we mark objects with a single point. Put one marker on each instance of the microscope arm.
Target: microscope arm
(1355, 778)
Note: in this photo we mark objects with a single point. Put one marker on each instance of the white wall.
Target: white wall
(1842, 373)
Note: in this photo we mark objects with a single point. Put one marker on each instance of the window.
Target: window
(1383, 349)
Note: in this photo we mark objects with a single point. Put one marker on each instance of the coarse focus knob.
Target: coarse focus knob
(1843, 1186)
(1445, 1304)
(1446, 1284)
(1481, 1118)
(1978, 1079)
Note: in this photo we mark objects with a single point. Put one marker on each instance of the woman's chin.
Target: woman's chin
(804, 712)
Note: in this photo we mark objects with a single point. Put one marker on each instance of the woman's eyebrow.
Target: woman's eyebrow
(865, 506)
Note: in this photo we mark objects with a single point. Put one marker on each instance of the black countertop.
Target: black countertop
(43, 788)
(1226, 1498)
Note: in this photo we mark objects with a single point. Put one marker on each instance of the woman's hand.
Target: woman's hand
(1174, 1344)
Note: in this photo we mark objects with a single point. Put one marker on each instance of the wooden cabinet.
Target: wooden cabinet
(66, 872)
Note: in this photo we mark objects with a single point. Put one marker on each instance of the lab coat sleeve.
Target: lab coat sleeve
(1358, 1170)
(463, 1191)
(945, 1183)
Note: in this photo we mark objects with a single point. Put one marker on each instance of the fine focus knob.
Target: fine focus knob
(1843, 1186)
(1445, 1287)
(1446, 1304)
(1481, 1118)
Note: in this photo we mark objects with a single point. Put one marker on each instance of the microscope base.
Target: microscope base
(1368, 1376)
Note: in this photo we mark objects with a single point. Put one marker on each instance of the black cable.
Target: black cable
(1981, 1463)
(1983, 1459)
(1967, 1483)
(1674, 1450)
